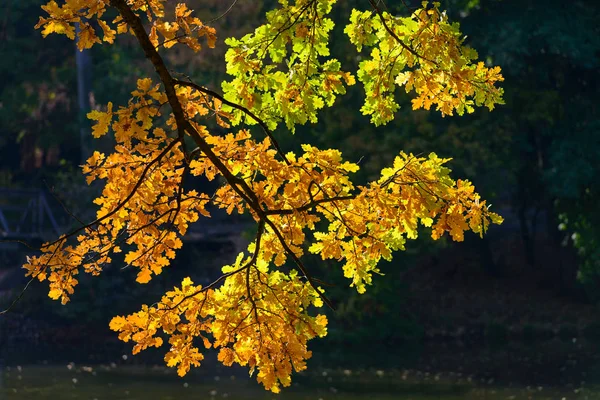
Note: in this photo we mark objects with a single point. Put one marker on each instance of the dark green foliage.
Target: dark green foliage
(37, 82)
(496, 334)
(592, 332)
(567, 332)
(550, 54)
(533, 333)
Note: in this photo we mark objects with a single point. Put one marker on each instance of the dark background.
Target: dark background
(528, 290)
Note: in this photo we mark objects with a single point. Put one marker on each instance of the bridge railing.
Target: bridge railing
(28, 215)
(25, 214)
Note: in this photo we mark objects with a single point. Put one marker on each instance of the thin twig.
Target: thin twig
(393, 34)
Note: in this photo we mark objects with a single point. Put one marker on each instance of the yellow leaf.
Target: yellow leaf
(58, 27)
(104, 119)
(109, 33)
(117, 323)
(144, 276)
(55, 294)
(226, 356)
(86, 37)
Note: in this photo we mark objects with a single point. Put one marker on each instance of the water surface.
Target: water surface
(119, 382)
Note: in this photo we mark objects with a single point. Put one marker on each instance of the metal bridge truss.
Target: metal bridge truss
(25, 215)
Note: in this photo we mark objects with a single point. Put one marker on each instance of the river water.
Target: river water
(130, 382)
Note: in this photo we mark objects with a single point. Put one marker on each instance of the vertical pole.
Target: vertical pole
(40, 211)
(34, 213)
(83, 61)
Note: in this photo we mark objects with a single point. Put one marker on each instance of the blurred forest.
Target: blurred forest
(536, 159)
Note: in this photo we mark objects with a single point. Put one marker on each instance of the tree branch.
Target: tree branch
(239, 185)
(306, 207)
(245, 110)
(393, 34)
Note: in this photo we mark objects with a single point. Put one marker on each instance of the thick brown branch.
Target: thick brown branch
(243, 109)
(135, 23)
(239, 185)
(183, 125)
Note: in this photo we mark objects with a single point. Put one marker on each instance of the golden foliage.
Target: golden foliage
(259, 314)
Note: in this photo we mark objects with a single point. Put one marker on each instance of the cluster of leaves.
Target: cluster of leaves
(258, 318)
(63, 19)
(258, 313)
(148, 212)
(297, 81)
(442, 71)
(584, 234)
